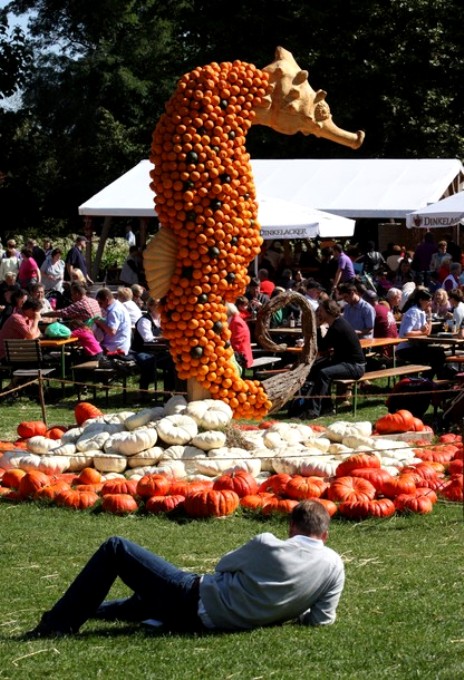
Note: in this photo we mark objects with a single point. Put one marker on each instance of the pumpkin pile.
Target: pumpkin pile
(180, 457)
(205, 201)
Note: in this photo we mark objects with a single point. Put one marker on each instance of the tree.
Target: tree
(90, 104)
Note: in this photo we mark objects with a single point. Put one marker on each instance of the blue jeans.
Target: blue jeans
(323, 375)
(161, 590)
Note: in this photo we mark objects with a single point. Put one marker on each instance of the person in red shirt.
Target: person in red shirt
(23, 324)
(384, 324)
(240, 336)
(29, 272)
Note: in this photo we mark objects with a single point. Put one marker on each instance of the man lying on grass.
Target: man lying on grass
(266, 581)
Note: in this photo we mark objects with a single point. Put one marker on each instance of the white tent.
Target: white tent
(445, 213)
(284, 220)
(378, 188)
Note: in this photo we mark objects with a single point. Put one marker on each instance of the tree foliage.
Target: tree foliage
(104, 70)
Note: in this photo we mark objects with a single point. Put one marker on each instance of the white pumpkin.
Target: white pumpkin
(40, 444)
(320, 443)
(109, 462)
(79, 461)
(118, 417)
(53, 465)
(171, 468)
(71, 436)
(143, 417)
(341, 428)
(293, 432)
(338, 448)
(89, 441)
(211, 414)
(147, 457)
(265, 456)
(19, 458)
(65, 450)
(210, 439)
(175, 405)
(177, 429)
(130, 443)
(140, 471)
(355, 441)
(319, 466)
(287, 460)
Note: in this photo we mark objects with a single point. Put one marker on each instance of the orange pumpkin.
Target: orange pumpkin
(89, 476)
(254, 501)
(211, 503)
(350, 489)
(77, 500)
(119, 485)
(276, 484)
(401, 421)
(240, 481)
(85, 410)
(276, 505)
(357, 460)
(361, 509)
(164, 504)
(153, 485)
(31, 428)
(299, 488)
(50, 492)
(12, 477)
(421, 505)
(119, 504)
(32, 482)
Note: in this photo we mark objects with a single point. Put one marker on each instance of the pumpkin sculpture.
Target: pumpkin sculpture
(206, 204)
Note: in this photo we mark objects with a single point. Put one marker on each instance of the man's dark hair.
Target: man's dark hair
(331, 307)
(347, 288)
(104, 294)
(77, 287)
(17, 294)
(32, 304)
(310, 518)
(337, 247)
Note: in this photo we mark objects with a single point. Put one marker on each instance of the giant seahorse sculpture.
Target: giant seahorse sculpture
(206, 203)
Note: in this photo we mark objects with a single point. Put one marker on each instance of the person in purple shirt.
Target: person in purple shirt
(345, 272)
(423, 253)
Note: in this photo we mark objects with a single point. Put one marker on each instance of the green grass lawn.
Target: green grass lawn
(400, 615)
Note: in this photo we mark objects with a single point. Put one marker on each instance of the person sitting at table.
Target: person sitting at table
(455, 317)
(125, 295)
(415, 324)
(359, 313)
(14, 301)
(440, 303)
(243, 307)
(148, 330)
(393, 297)
(115, 327)
(312, 290)
(255, 298)
(82, 307)
(341, 357)
(89, 347)
(139, 296)
(38, 293)
(23, 324)
(451, 282)
(384, 322)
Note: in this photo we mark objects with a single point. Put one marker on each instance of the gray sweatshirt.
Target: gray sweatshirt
(269, 580)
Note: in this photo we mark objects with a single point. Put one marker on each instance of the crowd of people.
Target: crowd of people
(375, 294)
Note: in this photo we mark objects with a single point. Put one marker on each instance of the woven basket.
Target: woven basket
(281, 388)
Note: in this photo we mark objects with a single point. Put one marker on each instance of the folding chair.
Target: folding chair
(25, 359)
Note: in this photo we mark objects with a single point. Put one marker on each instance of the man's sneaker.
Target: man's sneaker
(42, 630)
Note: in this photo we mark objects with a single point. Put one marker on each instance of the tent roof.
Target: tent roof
(444, 213)
(379, 188)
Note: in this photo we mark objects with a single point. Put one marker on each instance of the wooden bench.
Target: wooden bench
(408, 369)
(89, 372)
(261, 362)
